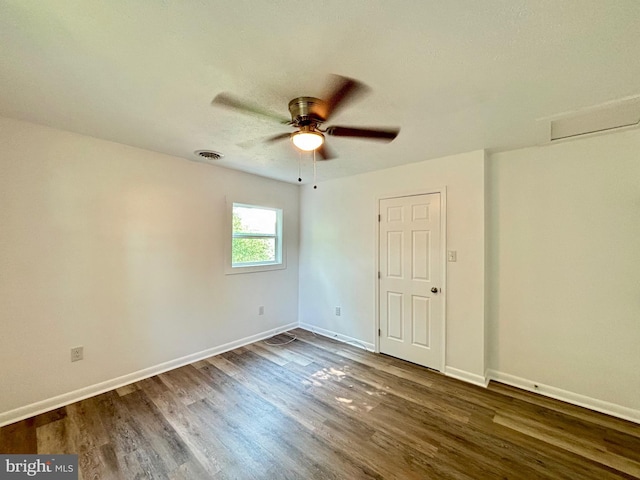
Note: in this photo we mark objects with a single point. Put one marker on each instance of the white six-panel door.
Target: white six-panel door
(411, 273)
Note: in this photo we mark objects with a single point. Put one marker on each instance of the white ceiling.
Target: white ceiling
(455, 75)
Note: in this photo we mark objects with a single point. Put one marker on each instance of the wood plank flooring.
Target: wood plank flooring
(319, 409)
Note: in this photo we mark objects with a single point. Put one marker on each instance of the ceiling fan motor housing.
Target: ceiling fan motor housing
(307, 111)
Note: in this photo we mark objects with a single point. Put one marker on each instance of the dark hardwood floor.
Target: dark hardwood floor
(316, 408)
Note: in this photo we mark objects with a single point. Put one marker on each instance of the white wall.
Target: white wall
(121, 250)
(564, 266)
(338, 251)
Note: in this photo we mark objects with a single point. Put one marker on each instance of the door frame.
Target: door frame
(443, 258)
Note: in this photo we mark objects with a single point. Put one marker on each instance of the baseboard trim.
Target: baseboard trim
(601, 406)
(58, 401)
(338, 336)
(43, 406)
(466, 376)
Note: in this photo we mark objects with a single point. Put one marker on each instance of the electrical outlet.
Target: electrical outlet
(261, 310)
(338, 311)
(77, 353)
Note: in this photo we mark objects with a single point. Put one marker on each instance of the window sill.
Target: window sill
(254, 268)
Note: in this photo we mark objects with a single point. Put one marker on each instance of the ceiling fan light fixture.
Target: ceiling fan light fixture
(307, 141)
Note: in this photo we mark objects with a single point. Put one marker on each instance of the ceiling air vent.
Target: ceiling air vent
(208, 155)
(597, 120)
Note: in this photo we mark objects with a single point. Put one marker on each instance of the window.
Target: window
(256, 239)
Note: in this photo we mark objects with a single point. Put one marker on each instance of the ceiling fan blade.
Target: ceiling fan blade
(254, 142)
(275, 138)
(382, 134)
(325, 152)
(345, 90)
(229, 101)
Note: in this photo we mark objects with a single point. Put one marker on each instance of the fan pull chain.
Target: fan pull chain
(299, 165)
(314, 170)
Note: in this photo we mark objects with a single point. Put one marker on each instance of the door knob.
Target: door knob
(434, 290)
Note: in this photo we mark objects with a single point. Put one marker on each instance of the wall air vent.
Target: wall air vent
(600, 119)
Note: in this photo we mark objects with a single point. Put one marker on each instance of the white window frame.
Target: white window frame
(277, 264)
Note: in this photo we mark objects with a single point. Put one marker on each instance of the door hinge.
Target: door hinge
(378, 275)
(379, 218)
(378, 332)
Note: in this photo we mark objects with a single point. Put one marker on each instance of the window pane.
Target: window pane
(254, 220)
(250, 250)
